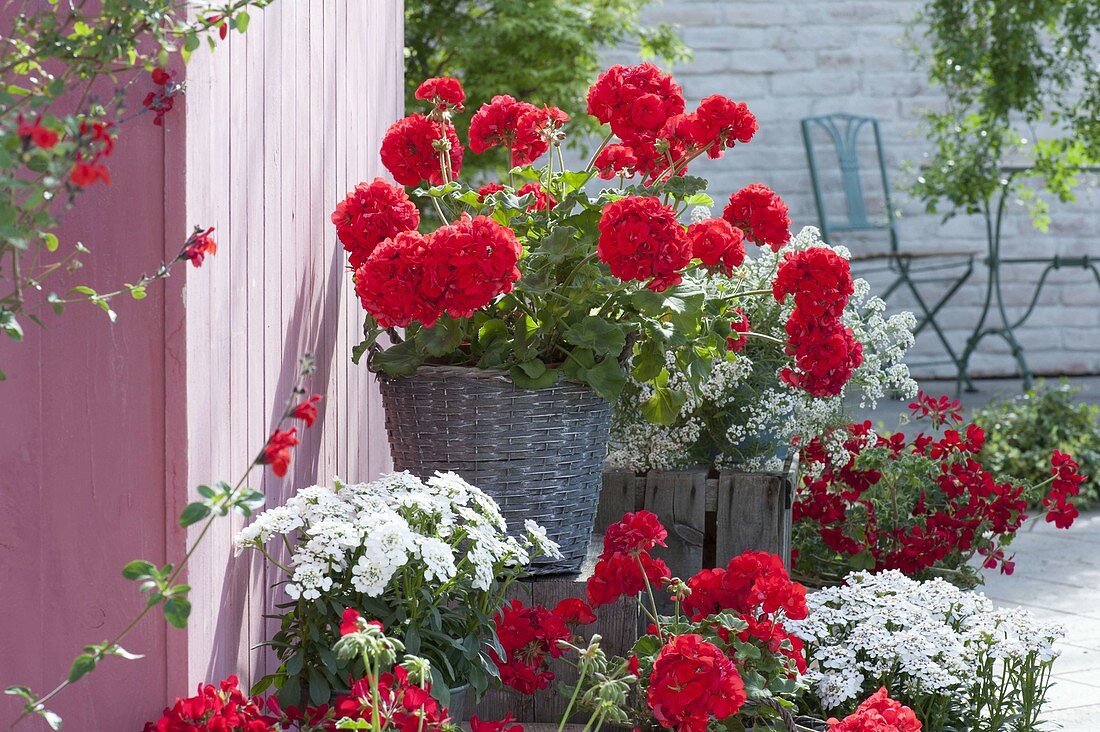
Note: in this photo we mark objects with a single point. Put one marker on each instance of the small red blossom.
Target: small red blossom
(219, 21)
(941, 411)
(761, 214)
(40, 136)
(162, 101)
(692, 681)
(222, 708)
(370, 214)
(641, 239)
(878, 713)
(443, 91)
(615, 160)
(277, 450)
(739, 324)
(410, 150)
(350, 622)
(574, 611)
(487, 190)
(307, 410)
(543, 200)
(508, 724)
(85, 173)
(717, 244)
(198, 245)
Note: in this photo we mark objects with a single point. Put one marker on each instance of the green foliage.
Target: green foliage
(540, 51)
(1020, 79)
(1021, 433)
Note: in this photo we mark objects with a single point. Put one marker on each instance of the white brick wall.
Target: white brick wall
(794, 58)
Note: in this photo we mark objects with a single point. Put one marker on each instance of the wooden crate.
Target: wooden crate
(711, 516)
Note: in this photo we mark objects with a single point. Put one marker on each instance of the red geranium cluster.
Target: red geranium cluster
(740, 325)
(641, 239)
(531, 636)
(444, 92)
(525, 129)
(825, 350)
(878, 713)
(370, 214)
(717, 243)
(403, 705)
(412, 148)
(455, 270)
(761, 214)
(215, 709)
(693, 680)
(960, 510)
(625, 566)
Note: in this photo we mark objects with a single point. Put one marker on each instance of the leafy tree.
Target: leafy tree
(1020, 77)
(540, 51)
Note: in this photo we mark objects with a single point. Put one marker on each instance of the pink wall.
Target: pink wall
(107, 429)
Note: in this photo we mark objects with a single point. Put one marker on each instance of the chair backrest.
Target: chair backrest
(844, 132)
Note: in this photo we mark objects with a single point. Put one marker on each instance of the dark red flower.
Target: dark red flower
(691, 682)
(409, 150)
(543, 200)
(529, 637)
(574, 611)
(761, 214)
(160, 77)
(198, 245)
(717, 244)
(42, 137)
(640, 239)
(277, 450)
(370, 214)
(739, 324)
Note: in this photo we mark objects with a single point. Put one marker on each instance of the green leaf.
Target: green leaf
(193, 513)
(83, 290)
(649, 361)
(241, 20)
(597, 334)
(533, 374)
(663, 407)
(558, 245)
(50, 240)
(176, 611)
(10, 325)
(607, 378)
(206, 491)
(398, 360)
(442, 338)
(83, 665)
(139, 569)
(319, 689)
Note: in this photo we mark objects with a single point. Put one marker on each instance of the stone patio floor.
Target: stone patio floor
(1057, 575)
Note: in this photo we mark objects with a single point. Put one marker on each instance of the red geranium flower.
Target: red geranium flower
(634, 100)
(634, 533)
(536, 129)
(825, 351)
(505, 725)
(543, 200)
(723, 122)
(371, 213)
(214, 709)
(716, 243)
(529, 637)
(409, 150)
(820, 280)
(761, 214)
(615, 160)
(879, 713)
(85, 174)
(442, 91)
(739, 325)
(487, 190)
(392, 282)
(640, 239)
(693, 680)
(496, 123)
(574, 611)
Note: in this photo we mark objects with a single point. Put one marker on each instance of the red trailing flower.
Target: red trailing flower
(693, 680)
(40, 136)
(939, 411)
(640, 239)
(443, 91)
(615, 160)
(410, 150)
(370, 214)
(878, 713)
(820, 280)
(161, 101)
(739, 325)
(277, 450)
(543, 200)
(634, 100)
(214, 709)
(508, 724)
(307, 410)
(529, 637)
(86, 173)
(761, 214)
(198, 245)
(716, 243)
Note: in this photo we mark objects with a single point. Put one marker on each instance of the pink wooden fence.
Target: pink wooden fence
(107, 429)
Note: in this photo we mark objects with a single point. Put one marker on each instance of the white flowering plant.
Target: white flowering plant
(948, 653)
(742, 415)
(430, 559)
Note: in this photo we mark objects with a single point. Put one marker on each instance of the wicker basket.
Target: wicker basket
(538, 453)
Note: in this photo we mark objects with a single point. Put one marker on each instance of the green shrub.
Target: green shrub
(1022, 431)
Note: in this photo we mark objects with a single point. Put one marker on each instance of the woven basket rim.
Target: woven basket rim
(473, 372)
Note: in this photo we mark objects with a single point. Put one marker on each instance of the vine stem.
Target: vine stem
(39, 703)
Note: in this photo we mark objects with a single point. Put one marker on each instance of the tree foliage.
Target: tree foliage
(1021, 80)
(541, 51)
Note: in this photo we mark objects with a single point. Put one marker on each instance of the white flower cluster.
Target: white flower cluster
(768, 411)
(363, 534)
(927, 637)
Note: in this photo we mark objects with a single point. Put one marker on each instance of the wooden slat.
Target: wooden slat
(617, 496)
(678, 497)
(751, 507)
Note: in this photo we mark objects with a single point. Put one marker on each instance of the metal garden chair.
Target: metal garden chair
(909, 269)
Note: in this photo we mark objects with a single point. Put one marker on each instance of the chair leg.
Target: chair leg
(929, 317)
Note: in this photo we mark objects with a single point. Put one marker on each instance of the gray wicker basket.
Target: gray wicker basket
(538, 453)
